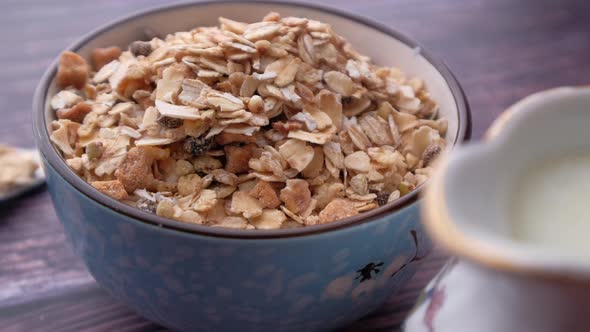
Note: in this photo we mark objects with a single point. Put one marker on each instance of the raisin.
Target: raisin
(382, 198)
(346, 100)
(197, 146)
(138, 48)
(169, 122)
(146, 205)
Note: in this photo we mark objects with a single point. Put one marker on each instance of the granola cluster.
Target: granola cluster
(274, 124)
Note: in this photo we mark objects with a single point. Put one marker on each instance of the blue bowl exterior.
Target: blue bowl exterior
(200, 283)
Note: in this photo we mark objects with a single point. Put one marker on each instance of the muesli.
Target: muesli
(275, 124)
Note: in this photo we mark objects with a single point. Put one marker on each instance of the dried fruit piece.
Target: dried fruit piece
(102, 56)
(72, 70)
(112, 188)
(76, 113)
(197, 146)
(139, 47)
(405, 188)
(94, 150)
(382, 198)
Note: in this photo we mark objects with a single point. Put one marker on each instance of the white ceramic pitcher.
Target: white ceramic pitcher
(496, 283)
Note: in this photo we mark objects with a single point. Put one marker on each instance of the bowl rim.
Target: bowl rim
(51, 156)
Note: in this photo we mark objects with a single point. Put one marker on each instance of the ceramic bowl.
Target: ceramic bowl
(191, 277)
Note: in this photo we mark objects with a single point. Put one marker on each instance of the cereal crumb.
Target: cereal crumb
(112, 188)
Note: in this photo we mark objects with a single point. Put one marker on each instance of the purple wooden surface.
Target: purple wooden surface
(501, 51)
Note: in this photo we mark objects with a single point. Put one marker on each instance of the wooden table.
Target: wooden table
(501, 51)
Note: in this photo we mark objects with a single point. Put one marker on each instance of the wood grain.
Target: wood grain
(500, 50)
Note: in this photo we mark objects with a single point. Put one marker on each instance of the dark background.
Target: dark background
(500, 50)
